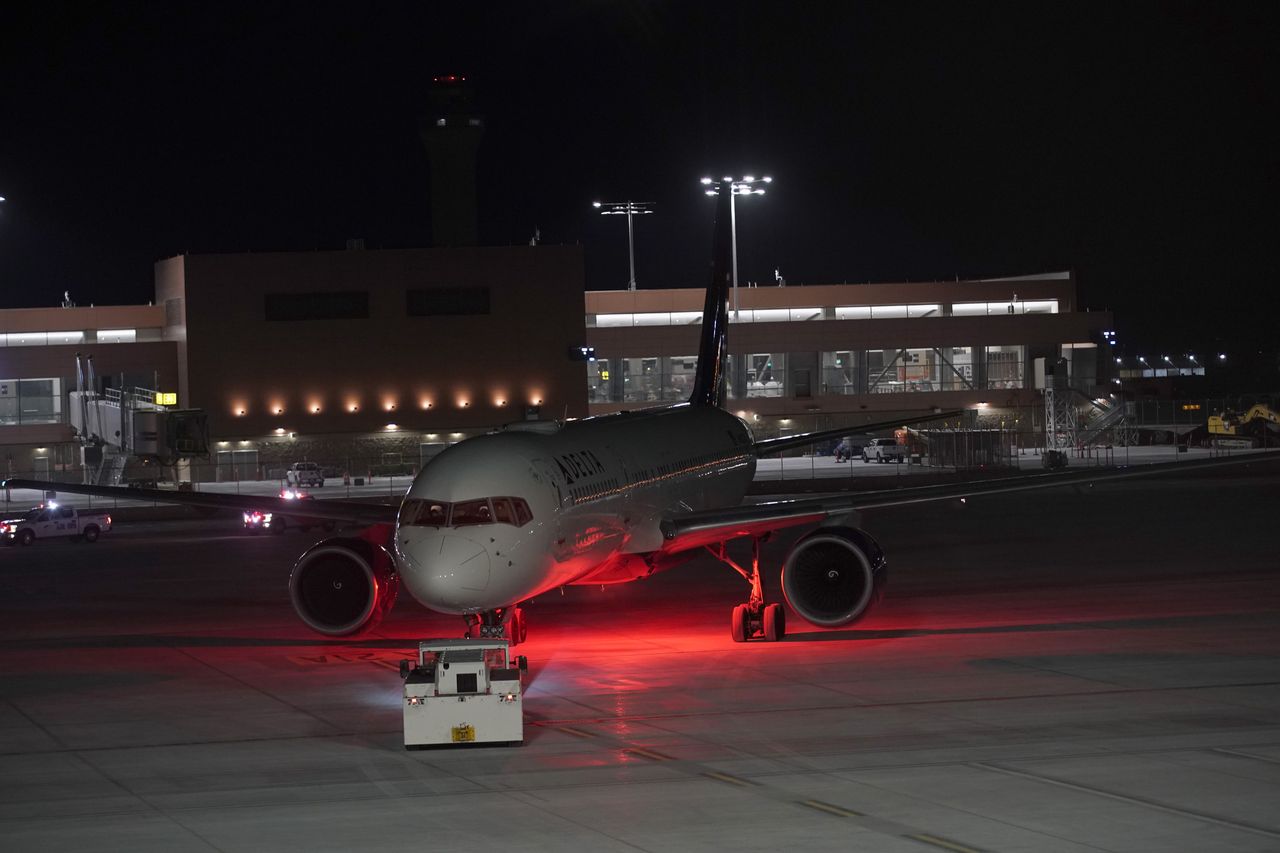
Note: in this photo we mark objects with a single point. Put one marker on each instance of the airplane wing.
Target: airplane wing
(708, 527)
(362, 513)
(788, 442)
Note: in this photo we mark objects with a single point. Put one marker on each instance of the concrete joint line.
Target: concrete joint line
(1126, 798)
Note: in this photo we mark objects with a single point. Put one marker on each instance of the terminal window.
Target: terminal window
(334, 305)
(447, 301)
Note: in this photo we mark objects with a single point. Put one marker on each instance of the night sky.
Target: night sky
(1131, 142)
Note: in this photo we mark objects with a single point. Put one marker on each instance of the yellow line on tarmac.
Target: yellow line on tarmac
(725, 777)
(648, 753)
(830, 809)
(943, 843)
(575, 732)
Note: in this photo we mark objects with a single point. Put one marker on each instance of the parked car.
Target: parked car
(50, 521)
(304, 474)
(884, 450)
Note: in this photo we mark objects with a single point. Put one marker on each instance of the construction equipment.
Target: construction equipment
(1258, 425)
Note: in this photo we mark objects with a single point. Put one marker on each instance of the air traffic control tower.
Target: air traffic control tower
(452, 133)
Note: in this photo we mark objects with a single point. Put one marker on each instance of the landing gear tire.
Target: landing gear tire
(775, 622)
(504, 623)
(516, 628)
(279, 526)
(738, 627)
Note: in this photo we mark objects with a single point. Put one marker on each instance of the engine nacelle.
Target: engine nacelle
(833, 575)
(344, 585)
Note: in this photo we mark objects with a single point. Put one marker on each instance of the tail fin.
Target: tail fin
(709, 380)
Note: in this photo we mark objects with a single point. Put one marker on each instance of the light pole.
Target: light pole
(631, 209)
(746, 185)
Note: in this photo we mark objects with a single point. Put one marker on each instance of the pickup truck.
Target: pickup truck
(48, 521)
(884, 450)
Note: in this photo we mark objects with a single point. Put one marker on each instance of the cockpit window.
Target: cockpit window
(424, 513)
(420, 512)
(471, 512)
(523, 514)
(503, 512)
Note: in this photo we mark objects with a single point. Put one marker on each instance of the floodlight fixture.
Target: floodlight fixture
(631, 209)
(746, 185)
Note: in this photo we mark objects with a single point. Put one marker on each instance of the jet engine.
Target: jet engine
(343, 585)
(833, 575)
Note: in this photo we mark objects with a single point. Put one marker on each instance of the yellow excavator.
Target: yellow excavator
(1251, 424)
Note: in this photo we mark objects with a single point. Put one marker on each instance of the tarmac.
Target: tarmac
(1067, 670)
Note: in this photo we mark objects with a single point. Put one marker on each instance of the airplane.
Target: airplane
(499, 519)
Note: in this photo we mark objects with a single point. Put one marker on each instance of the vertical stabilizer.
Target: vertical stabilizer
(709, 381)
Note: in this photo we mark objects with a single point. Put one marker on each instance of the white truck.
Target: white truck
(884, 450)
(463, 692)
(50, 520)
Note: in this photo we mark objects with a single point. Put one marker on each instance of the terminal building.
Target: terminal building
(370, 361)
(821, 355)
(363, 359)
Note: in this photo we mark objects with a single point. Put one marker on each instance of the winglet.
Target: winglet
(709, 380)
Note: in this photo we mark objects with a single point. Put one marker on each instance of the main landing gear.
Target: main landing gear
(503, 623)
(755, 619)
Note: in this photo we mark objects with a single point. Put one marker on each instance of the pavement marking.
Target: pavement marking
(830, 809)
(1126, 798)
(1240, 753)
(910, 703)
(572, 731)
(347, 657)
(944, 843)
(648, 753)
(725, 777)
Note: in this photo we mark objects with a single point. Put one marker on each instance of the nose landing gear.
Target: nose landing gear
(755, 619)
(501, 623)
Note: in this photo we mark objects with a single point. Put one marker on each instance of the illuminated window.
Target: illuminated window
(117, 336)
(1005, 366)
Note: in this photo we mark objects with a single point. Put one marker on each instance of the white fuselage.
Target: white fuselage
(596, 490)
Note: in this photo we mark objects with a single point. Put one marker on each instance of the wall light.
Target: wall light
(315, 409)
(352, 407)
(389, 406)
(279, 410)
(426, 404)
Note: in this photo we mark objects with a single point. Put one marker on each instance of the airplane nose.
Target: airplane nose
(445, 571)
(467, 561)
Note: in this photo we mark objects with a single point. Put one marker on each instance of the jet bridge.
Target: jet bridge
(123, 423)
